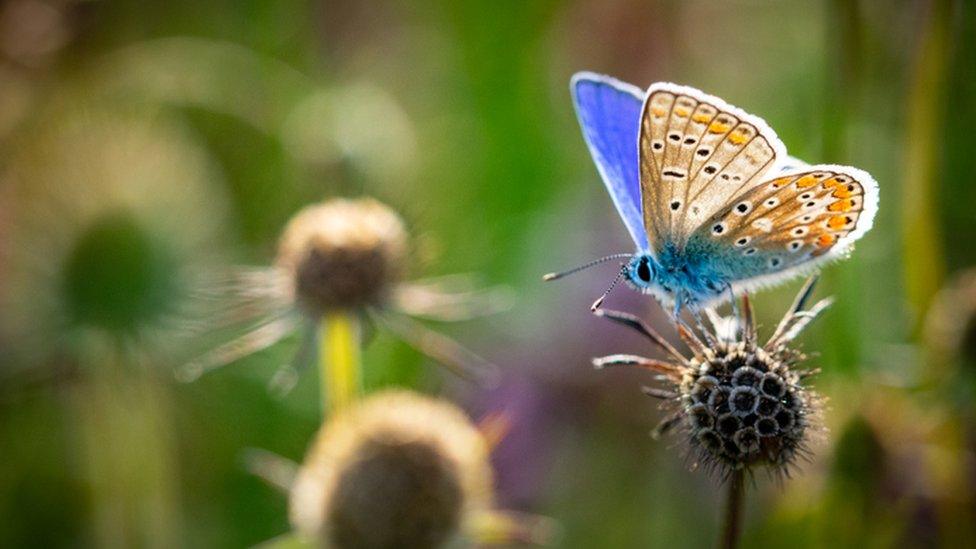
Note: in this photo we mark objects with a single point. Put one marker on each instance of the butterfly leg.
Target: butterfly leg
(681, 299)
(696, 314)
(676, 312)
(735, 308)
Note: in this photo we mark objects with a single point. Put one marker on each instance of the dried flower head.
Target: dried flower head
(398, 470)
(741, 404)
(96, 241)
(340, 256)
(343, 254)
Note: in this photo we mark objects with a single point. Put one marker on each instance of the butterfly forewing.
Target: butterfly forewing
(609, 115)
(696, 153)
(791, 220)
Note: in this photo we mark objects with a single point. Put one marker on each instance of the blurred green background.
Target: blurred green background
(141, 138)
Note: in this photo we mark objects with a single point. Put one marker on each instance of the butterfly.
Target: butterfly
(713, 203)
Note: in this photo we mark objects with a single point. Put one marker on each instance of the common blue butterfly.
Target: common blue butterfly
(708, 194)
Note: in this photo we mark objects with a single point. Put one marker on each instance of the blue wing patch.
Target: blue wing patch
(609, 113)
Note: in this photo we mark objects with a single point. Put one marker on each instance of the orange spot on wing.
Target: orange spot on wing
(842, 205)
(831, 183)
(837, 222)
(681, 111)
(782, 182)
(842, 193)
(718, 127)
(701, 118)
(658, 111)
(826, 240)
(738, 138)
(806, 181)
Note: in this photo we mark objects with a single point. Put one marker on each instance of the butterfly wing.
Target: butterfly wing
(696, 153)
(609, 113)
(789, 225)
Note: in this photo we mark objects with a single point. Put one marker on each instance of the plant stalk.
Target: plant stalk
(340, 369)
(731, 522)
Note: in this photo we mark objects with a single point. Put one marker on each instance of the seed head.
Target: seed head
(399, 470)
(343, 254)
(744, 406)
(740, 404)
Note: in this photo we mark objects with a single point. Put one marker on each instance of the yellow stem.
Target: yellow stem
(340, 372)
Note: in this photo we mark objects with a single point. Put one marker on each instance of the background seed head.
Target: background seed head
(399, 470)
(343, 254)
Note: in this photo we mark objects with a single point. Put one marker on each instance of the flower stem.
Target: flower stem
(733, 511)
(340, 372)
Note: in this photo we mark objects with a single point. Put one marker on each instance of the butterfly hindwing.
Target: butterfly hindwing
(609, 114)
(696, 153)
(790, 224)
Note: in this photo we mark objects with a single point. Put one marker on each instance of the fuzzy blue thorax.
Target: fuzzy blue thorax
(688, 274)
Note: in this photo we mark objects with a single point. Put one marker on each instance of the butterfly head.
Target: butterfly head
(685, 275)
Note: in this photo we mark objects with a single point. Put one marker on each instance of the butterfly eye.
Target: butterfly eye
(644, 270)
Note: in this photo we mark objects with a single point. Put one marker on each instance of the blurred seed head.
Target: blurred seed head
(343, 254)
(950, 327)
(31, 31)
(99, 238)
(359, 125)
(398, 470)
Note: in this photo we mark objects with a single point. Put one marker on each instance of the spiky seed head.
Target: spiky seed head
(744, 406)
(741, 404)
(343, 254)
(398, 470)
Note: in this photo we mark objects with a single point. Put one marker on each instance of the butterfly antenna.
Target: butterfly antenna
(599, 301)
(557, 276)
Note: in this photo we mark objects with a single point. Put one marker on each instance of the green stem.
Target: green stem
(732, 519)
(127, 442)
(340, 370)
(924, 264)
